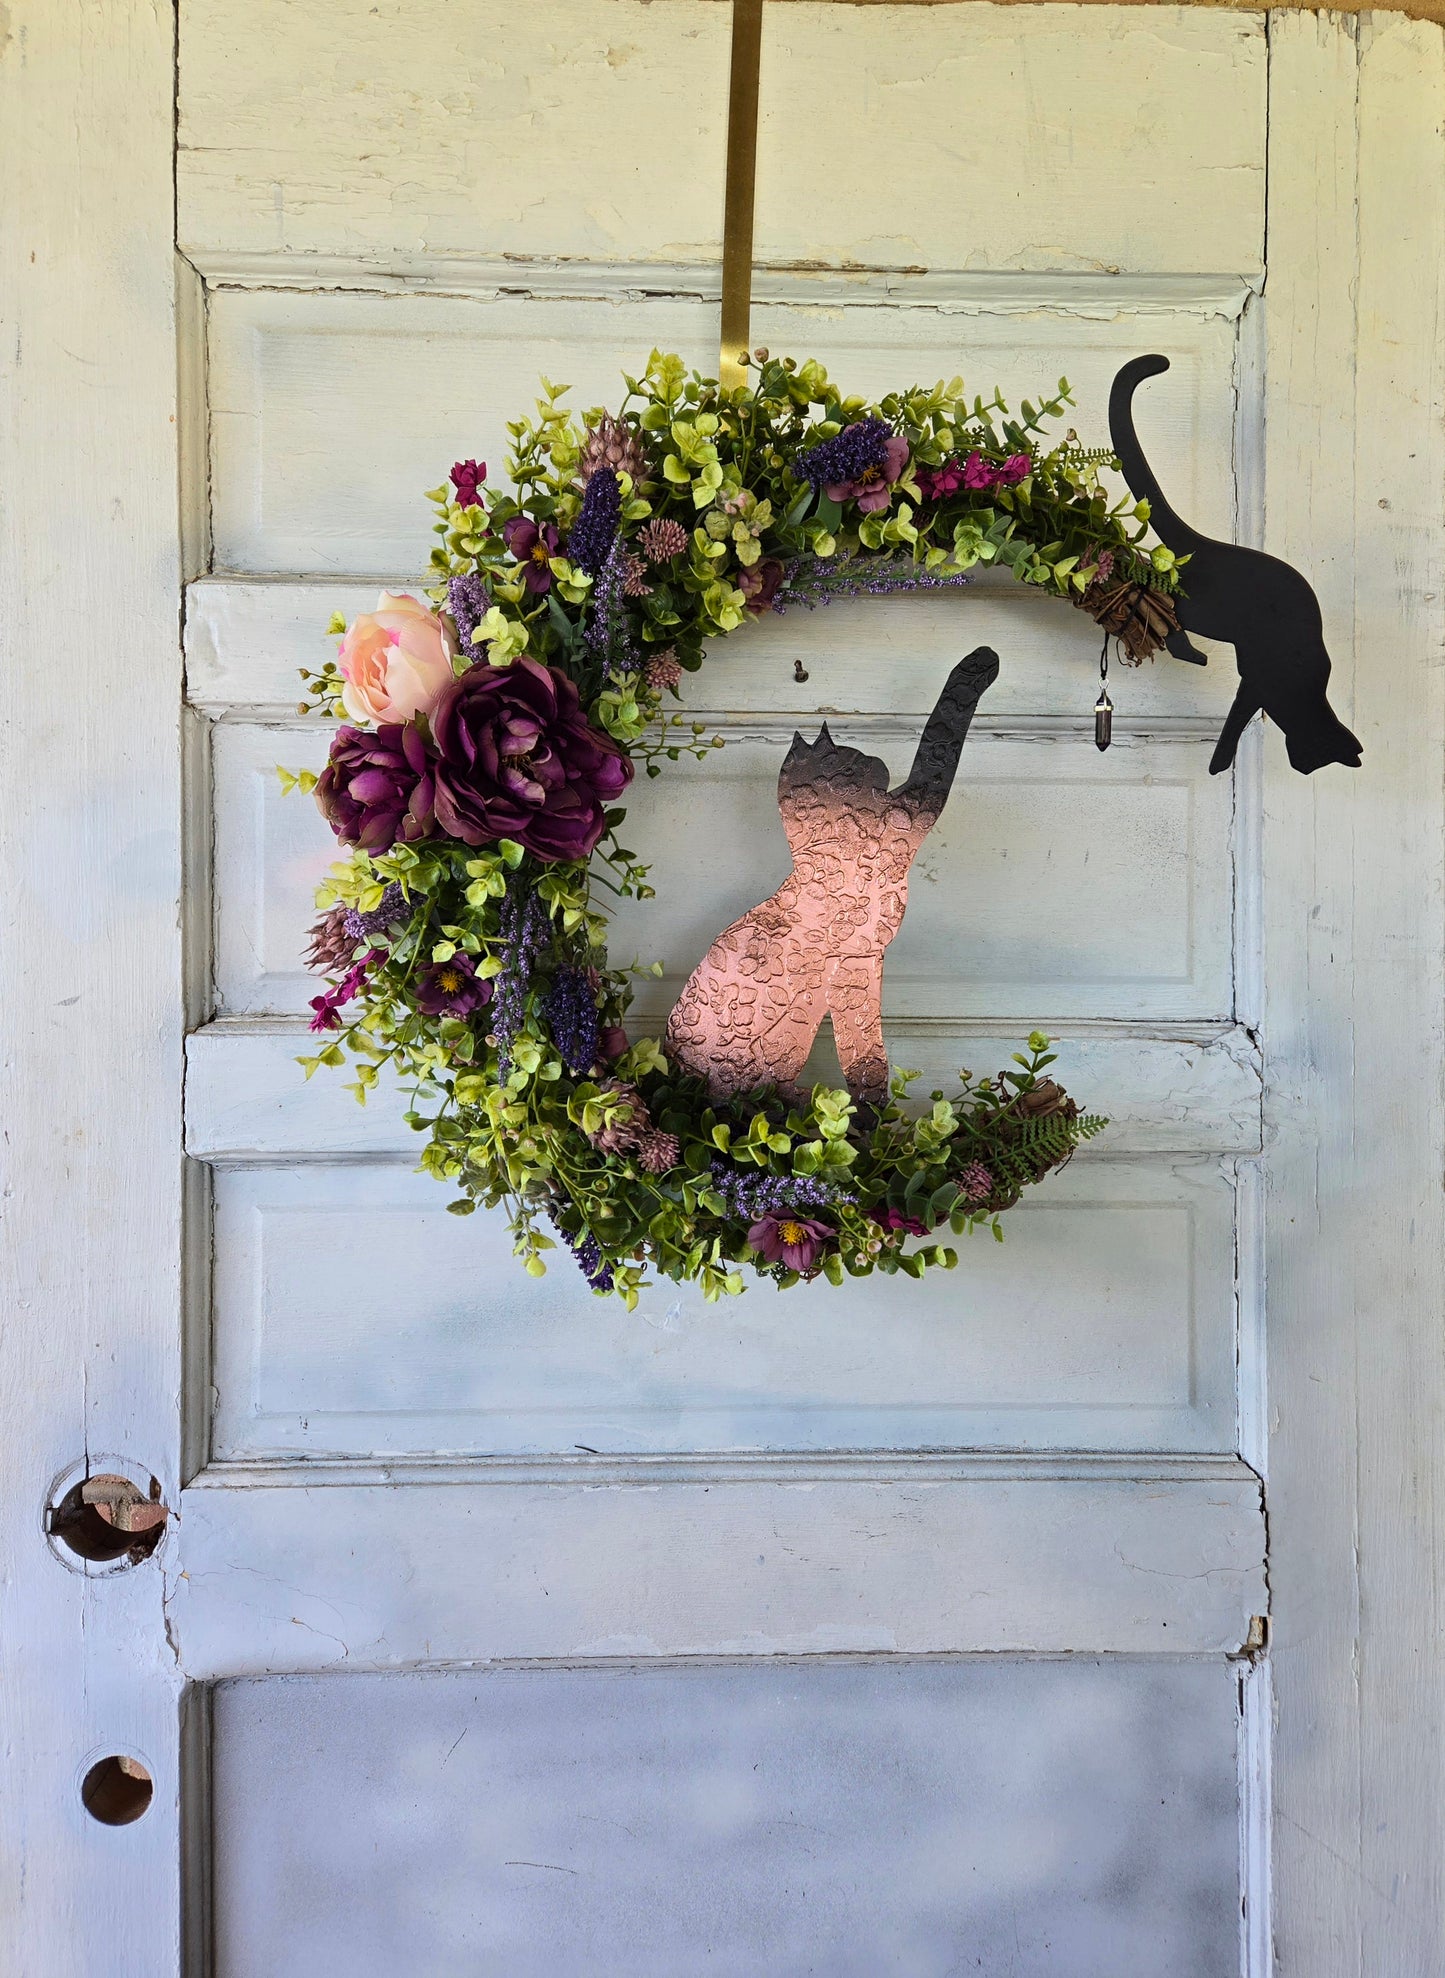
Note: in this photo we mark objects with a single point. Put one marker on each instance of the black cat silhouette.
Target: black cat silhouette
(1264, 608)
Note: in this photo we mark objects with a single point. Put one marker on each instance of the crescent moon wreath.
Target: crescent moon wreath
(484, 744)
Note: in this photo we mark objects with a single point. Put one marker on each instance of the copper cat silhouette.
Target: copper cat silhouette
(750, 1010)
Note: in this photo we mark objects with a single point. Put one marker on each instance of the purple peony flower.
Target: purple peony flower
(595, 529)
(790, 1240)
(376, 790)
(517, 758)
(533, 546)
(452, 988)
(467, 477)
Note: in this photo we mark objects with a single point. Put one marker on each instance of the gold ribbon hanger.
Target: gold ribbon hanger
(742, 159)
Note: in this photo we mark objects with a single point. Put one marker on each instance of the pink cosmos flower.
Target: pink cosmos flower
(395, 661)
(872, 488)
(793, 1241)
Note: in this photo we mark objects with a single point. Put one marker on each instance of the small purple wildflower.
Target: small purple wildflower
(595, 530)
(795, 1242)
(452, 988)
(571, 1012)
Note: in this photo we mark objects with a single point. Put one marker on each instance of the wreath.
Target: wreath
(475, 780)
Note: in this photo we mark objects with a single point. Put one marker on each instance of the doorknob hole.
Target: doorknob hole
(107, 1520)
(116, 1790)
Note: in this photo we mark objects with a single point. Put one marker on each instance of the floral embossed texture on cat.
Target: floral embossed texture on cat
(749, 1012)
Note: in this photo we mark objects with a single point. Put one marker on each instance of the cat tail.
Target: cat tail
(1171, 529)
(936, 762)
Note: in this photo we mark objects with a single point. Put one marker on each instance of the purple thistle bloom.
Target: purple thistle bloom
(851, 454)
(752, 1196)
(468, 603)
(595, 530)
(571, 1012)
(525, 925)
(372, 926)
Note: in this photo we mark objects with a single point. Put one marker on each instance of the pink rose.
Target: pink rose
(395, 661)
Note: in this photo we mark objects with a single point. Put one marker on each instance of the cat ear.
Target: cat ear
(824, 736)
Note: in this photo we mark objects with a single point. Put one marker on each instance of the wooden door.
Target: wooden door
(1068, 1615)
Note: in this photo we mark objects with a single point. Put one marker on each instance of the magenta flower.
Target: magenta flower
(329, 1004)
(937, 483)
(518, 758)
(759, 583)
(871, 487)
(983, 475)
(790, 1240)
(533, 546)
(894, 1219)
(376, 790)
(467, 477)
(452, 988)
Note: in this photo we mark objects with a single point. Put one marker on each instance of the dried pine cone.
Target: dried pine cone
(330, 949)
(611, 444)
(1141, 619)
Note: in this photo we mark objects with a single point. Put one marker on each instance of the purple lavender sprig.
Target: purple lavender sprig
(595, 530)
(750, 1197)
(856, 449)
(588, 1252)
(571, 1012)
(525, 925)
(468, 602)
(811, 581)
(609, 629)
